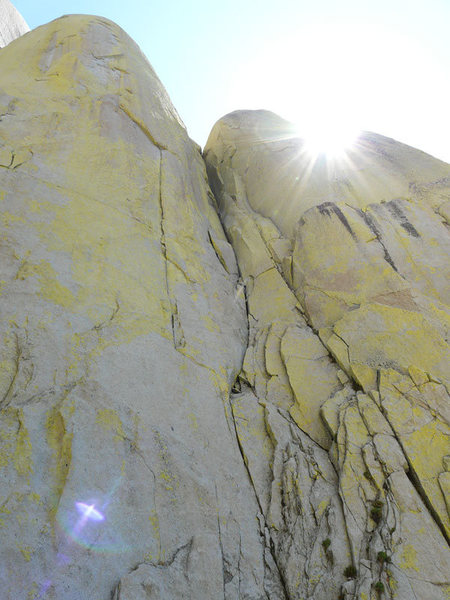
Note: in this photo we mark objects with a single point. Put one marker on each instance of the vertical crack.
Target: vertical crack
(17, 358)
(178, 339)
(412, 475)
(271, 546)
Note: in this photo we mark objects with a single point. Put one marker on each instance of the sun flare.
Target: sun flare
(332, 140)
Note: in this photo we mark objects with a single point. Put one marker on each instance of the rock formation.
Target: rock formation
(123, 328)
(12, 24)
(345, 378)
(178, 425)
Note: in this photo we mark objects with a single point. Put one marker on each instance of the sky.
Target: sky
(327, 65)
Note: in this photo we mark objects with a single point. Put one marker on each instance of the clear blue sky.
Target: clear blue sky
(383, 65)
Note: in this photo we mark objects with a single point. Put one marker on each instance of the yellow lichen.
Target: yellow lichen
(60, 441)
(110, 421)
(25, 551)
(408, 558)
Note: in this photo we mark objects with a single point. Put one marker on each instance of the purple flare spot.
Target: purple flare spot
(89, 511)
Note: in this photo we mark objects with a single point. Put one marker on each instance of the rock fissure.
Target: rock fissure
(245, 462)
(414, 479)
(142, 127)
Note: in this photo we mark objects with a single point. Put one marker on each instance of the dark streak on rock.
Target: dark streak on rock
(329, 208)
(395, 211)
(371, 224)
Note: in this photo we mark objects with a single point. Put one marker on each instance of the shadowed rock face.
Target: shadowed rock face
(167, 432)
(12, 24)
(346, 271)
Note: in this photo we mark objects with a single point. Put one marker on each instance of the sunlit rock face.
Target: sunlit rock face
(342, 412)
(12, 24)
(123, 329)
(176, 424)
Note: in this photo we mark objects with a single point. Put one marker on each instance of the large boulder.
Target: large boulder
(123, 329)
(345, 263)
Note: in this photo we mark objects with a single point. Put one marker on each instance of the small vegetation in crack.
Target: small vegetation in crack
(379, 587)
(376, 512)
(326, 544)
(350, 572)
(382, 557)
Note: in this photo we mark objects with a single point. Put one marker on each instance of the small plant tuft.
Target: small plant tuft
(326, 544)
(367, 475)
(376, 512)
(379, 586)
(382, 557)
(350, 572)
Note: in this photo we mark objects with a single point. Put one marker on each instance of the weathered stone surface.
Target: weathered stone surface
(345, 265)
(174, 424)
(12, 24)
(123, 328)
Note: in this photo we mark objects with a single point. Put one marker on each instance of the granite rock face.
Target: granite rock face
(12, 24)
(345, 264)
(123, 329)
(176, 424)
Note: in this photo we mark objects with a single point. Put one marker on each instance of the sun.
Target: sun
(332, 138)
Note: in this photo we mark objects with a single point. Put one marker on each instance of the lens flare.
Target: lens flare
(89, 511)
(332, 139)
(87, 523)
